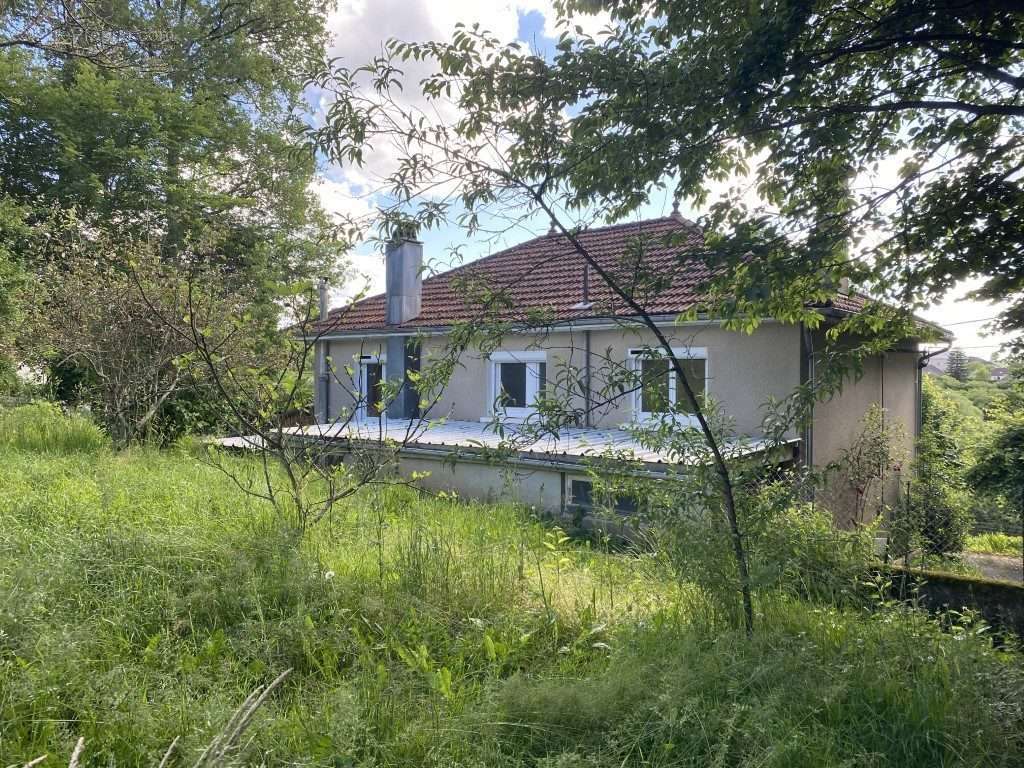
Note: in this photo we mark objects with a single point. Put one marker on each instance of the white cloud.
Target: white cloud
(364, 278)
(359, 31)
(967, 319)
(360, 27)
(342, 198)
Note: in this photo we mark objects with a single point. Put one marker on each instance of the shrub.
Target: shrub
(42, 427)
(799, 549)
(999, 471)
(938, 503)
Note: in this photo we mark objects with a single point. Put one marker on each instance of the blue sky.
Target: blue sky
(360, 28)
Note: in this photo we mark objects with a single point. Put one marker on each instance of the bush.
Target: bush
(938, 504)
(42, 427)
(945, 517)
(799, 549)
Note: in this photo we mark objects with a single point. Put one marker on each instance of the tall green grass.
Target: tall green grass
(994, 544)
(814, 688)
(142, 596)
(43, 428)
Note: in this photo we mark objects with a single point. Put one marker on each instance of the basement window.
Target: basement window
(584, 498)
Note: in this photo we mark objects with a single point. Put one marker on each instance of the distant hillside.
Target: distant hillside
(937, 365)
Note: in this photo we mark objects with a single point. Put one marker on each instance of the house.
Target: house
(999, 373)
(559, 317)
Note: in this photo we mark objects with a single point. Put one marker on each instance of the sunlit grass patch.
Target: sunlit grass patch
(42, 428)
(994, 544)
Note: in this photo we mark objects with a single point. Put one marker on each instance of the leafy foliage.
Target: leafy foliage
(938, 492)
(999, 470)
(819, 104)
(184, 136)
(93, 325)
(201, 146)
(983, 408)
(994, 543)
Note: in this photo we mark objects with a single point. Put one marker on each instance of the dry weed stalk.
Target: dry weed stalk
(215, 753)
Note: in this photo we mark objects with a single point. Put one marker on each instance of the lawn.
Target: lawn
(142, 596)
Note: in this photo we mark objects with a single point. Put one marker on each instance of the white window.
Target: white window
(371, 386)
(518, 380)
(658, 387)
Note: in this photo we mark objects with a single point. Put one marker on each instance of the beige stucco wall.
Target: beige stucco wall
(743, 370)
(890, 380)
(343, 387)
(540, 488)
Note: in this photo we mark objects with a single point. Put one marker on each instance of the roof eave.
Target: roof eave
(944, 333)
(604, 321)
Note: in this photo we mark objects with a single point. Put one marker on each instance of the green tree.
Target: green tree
(177, 125)
(192, 139)
(979, 371)
(13, 233)
(90, 321)
(956, 365)
(894, 119)
(999, 470)
(938, 490)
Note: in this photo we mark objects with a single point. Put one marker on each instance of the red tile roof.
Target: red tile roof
(546, 275)
(849, 302)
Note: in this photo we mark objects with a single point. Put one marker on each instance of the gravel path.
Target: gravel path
(1004, 567)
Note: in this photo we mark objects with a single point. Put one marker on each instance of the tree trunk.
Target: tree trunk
(721, 467)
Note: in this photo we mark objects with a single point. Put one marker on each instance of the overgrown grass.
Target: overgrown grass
(816, 687)
(42, 428)
(994, 544)
(142, 596)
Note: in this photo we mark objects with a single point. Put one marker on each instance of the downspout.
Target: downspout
(324, 383)
(807, 378)
(586, 379)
